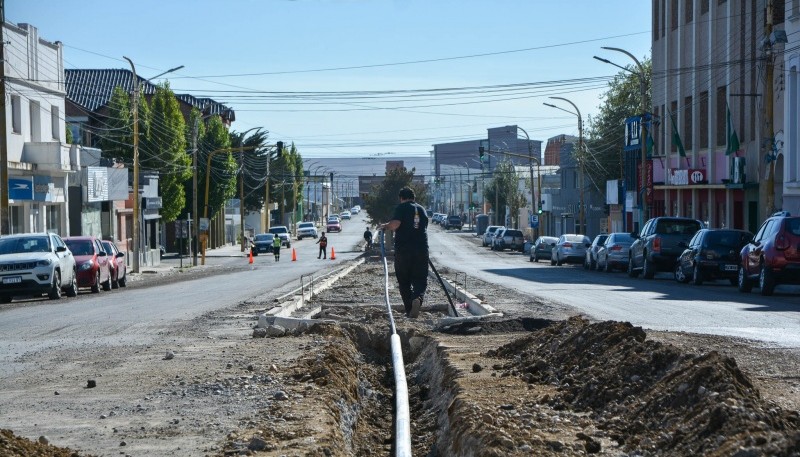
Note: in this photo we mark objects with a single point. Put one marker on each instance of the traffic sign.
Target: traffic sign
(534, 221)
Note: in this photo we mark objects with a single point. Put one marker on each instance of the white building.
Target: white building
(788, 139)
(38, 158)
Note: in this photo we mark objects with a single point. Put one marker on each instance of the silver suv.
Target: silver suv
(283, 232)
(35, 264)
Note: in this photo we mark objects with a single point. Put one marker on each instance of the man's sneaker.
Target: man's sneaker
(416, 304)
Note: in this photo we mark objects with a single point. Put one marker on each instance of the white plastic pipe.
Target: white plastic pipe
(402, 425)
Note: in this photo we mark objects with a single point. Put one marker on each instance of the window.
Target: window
(664, 17)
(54, 124)
(720, 2)
(689, 12)
(703, 121)
(16, 114)
(656, 19)
(778, 12)
(36, 121)
(703, 6)
(673, 107)
(687, 122)
(795, 8)
(673, 16)
(719, 115)
(654, 133)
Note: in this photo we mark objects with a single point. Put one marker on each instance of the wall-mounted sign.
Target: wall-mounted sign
(20, 188)
(153, 203)
(97, 184)
(685, 177)
(633, 130)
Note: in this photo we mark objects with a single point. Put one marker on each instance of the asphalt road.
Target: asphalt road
(137, 315)
(660, 304)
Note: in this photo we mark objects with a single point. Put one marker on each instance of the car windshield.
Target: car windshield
(677, 226)
(306, 225)
(574, 238)
(80, 247)
(513, 233)
(793, 225)
(278, 230)
(108, 248)
(622, 238)
(726, 239)
(26, 244)
(601, 239)
(264, 237)
(333, 222)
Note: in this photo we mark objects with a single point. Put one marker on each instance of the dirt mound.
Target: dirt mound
(17, 446)
(650, 396)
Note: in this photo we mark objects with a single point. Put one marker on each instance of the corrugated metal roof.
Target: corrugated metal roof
(92, 89)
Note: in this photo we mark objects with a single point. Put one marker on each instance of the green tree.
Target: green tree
(116, 137)
(165, 150)
(382, 199)
(255, 166)
(503, 190)
(222, 173)
(605, 135)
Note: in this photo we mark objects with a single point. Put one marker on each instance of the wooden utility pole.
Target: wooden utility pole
(5, 220)
(768, 115)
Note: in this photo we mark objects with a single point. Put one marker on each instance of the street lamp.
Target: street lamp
(643, 94)
(531, 159)
(582, 209)
(136, 202)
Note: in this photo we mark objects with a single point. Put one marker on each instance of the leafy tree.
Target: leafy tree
(382, 199)
(164, 150)
(503, 190)
(222, 173)
(255, 166)
(70, 139)
(116, 139)
(605, 135)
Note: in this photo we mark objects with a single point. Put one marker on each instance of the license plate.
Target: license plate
(731, 267)
(12, 280)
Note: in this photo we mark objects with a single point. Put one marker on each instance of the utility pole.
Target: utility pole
(768, 116)
(266, 197)
(195, 223)
(241, 192)
(5, 222)
(136, 198)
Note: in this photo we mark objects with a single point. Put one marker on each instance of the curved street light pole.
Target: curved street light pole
(643, 216)
(582, 208)
(531, 159)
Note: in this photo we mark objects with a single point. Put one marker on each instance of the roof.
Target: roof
(92, 89)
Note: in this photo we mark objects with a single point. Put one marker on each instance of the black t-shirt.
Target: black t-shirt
(413, 231)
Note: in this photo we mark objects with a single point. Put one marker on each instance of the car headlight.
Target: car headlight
(86, 266)
(43, 262)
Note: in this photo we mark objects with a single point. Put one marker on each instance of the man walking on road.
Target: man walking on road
(368, 239)
(410, 225)
(323, 244)
(276, 247)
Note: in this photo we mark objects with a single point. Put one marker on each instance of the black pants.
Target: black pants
(323, 252)
(411, 270)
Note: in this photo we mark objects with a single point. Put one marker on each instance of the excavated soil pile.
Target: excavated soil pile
(650, 397)
(17, 446)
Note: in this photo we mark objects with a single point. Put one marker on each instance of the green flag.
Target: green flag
(676, 138)
(730, 132)
(649, 144)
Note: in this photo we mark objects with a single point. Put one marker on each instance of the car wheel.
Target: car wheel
(766, 281)
(592, 264)
(631, 271)
(55, 287)
(648, 272)
(123, 281)
(697, 276)
(552, 261)
(536, 258)
(107, 284)
(744, 283)
(585, 264)
(607, 267)
(558, 261)
(5, 299)
(115, 281)
(72, 290)
(96, 285)
(680, 276)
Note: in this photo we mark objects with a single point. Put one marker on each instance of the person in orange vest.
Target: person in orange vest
(410, 226)
(323, 245)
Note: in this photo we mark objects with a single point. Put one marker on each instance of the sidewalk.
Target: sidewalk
(172, 263)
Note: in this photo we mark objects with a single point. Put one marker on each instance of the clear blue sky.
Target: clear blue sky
(245, 52)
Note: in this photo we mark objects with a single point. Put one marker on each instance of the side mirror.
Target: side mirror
(588, 245)
(61, 248)
(120, 254)
(634, 235)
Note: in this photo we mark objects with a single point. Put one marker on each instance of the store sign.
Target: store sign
(686, 177)
(152, 203)
(633, 130)
(97, 184)
(20, 189)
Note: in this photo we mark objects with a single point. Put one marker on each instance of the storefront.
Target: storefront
(37, 203)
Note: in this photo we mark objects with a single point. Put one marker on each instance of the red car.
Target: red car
(119, 269)
(333, 226)
(772, 257)
(91, 261)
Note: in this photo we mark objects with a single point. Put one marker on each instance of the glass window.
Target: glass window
(16, 114)
(54, 122)
(764, 230)
(689, 13)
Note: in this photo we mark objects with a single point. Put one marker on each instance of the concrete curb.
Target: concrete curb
(474, 305)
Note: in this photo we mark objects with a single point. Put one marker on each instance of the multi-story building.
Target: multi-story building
(714, 74)
(38, 158)
(789, 139)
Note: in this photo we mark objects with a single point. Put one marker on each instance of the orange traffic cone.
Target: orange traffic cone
(333, 253)
(294, 255)
(251, 257)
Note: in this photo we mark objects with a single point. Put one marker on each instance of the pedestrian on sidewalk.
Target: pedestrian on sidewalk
(410, 225)
(368, 239)
(276, 247)
(323, 245)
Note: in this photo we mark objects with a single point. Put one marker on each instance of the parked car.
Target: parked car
(509, 239)
(489, 234)
(542, 248)
(453, 222)
(333, 225)
(712, 254)
(355, 210)
(493, 240)
(570, 248)
(590, 262)
(262, 243)
(438, 218)
(116, 262)
(306, 229)
(658, 245)
(282, 232)
(92, 262)
(614, 252)
(772, 257)
(345, 215)
(35, 264)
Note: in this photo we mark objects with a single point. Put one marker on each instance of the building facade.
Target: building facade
(713, 63)
(788, 140)
(39, 159)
